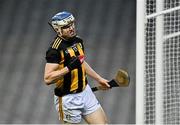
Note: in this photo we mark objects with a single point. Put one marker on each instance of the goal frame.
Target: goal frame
(140, 58)
(140, 61)
(160, 38)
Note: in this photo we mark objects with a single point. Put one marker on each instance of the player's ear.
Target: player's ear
(59, 32)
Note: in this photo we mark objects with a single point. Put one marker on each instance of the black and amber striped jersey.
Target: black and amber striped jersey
(60, 52)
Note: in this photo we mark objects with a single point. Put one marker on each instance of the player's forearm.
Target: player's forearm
(53, 76)
(90, 72)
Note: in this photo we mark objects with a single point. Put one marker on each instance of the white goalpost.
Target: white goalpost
(158, 62)
(140, 51)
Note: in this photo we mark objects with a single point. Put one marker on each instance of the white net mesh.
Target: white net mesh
(172, 81)
(150, 64)
(171, 63)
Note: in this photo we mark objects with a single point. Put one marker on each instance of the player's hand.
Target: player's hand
(104, 83)
(75, 62)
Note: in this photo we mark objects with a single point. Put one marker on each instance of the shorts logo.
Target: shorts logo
(68, 117)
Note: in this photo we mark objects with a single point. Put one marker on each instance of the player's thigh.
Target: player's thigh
(97, 117)
(69, 108)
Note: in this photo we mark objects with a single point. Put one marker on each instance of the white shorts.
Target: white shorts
(72, 107)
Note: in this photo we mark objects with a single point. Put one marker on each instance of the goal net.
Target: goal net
(158, 44)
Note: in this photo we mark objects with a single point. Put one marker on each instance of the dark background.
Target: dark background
(108, 29)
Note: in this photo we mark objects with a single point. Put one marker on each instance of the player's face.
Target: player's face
(68, 31)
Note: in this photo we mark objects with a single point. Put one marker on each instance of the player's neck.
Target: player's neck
(66, 38)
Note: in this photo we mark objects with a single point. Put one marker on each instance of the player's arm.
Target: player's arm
(90, 72)
(52, 73)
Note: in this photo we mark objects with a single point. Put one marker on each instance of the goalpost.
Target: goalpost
(158, 62)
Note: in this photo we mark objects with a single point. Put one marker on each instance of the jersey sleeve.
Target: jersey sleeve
(53, 56)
